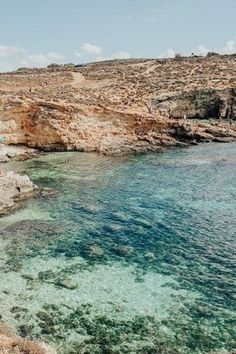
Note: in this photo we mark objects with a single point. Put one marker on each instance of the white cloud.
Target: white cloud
(230, 47)
(6, 51)
(42, 59)
(77, 55)
(13, 57)
(170, 53)
(202, 50)
(121, 55)
(55, 56)
(91, 48)
(39, 59)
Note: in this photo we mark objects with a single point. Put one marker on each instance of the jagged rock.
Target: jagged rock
(67, 283)
(14, 188)
(199, 104)
(8, 153)
(119, 107)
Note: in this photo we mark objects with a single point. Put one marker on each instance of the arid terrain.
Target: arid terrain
(119, 106)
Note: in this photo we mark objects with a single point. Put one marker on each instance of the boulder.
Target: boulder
(13, 189)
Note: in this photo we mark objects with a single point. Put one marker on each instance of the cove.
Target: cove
(135, 255)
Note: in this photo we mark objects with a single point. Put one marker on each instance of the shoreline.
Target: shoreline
(121, 109)
(97, 251)
(16, 189)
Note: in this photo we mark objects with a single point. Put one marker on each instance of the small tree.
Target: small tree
(212, 54)
(53, 65)
(178, 57)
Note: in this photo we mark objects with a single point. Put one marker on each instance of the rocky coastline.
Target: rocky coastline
(121, 106)
(14, 189)
(113, 108)
(16, 153)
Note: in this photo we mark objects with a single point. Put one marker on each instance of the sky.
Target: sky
(35, 33)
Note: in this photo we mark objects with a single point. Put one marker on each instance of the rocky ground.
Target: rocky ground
(15, 188)
(120, 106)
(11, 152)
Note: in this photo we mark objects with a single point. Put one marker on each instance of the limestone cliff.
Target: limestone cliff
(120, 106)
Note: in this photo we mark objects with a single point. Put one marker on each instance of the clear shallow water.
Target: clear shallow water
(146, 245)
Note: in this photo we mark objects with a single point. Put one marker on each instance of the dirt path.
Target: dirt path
(79, 79)
(81, 82)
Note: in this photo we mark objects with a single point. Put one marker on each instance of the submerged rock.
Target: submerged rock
(27, 277)
(150, 256)
(113, 228)
(94, 250)
(11, 343)
(67, 283)
(46, 275)
(28, 238)
(47, 192)
(124, 250)
(36, 230)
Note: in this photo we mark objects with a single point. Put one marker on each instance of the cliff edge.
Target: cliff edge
(120, 106)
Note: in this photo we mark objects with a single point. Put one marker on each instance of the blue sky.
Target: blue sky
(36, 33)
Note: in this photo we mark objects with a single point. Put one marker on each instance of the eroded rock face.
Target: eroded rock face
(11, 343)
(201, 104)
(11, 152)
(13, 189)
(121, 106)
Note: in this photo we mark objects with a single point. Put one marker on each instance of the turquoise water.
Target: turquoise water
(134, 255)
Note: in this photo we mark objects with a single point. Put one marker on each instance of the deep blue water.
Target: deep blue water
(165, 222)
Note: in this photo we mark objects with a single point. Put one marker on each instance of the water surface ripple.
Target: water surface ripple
(135, 255)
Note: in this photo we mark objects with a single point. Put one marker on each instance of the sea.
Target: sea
(134, 254)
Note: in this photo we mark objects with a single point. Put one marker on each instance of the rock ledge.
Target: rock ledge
(13, 189)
